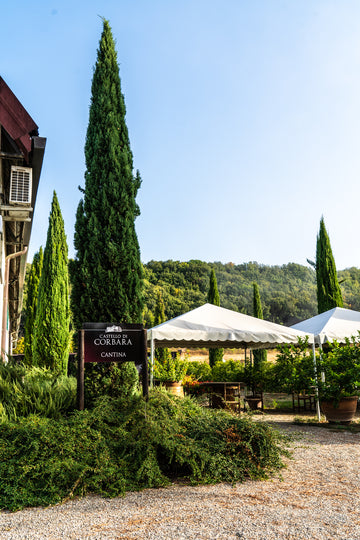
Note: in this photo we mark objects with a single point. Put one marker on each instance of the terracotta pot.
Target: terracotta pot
(342, 414)
(175, 388)
(254, 402)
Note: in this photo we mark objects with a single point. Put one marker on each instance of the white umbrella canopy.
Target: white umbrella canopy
(211, 326)
(336, 324)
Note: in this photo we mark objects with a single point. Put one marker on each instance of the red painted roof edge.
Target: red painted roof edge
(15, 119)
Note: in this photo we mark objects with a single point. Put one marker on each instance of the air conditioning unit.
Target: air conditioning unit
(20, 185)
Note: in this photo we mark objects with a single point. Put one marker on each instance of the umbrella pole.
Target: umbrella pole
(322, 373)
(316, 385)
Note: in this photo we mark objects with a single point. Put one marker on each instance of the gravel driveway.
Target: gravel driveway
(318, 498)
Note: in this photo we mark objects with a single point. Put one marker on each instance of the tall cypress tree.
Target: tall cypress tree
(215, 354)
(159, 317)
(107, 274)
(52, 335)
(159, 314)
(259, 355)
(31, 304)
(328, 288)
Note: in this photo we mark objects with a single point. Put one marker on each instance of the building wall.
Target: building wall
(2, 274)
(21, 146)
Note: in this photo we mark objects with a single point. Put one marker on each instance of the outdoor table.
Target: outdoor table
(223, 394)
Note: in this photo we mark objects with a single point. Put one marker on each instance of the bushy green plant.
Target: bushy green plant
(123, 445)
(199, 371)
(171, 369)
(33, 390)
(254, 376)
(109, 379)
(20, 346)
(341, 367)
(270, 377)
(294, 368)
(228, 371)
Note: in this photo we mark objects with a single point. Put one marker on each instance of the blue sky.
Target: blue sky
(243, 115)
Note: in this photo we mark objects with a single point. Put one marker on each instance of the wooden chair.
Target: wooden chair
(308, 401)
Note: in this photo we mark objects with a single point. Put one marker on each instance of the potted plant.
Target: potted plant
(253, 377)
(171, 372)
(196, 374)
(339, 382)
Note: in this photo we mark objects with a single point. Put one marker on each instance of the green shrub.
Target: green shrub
(109, 379)
(170, 369)
(260, 377)
(228, 371)
(131, 444)
(341, 367)
(270, 377)
(200, 371)
(294, 368)
(33, 390)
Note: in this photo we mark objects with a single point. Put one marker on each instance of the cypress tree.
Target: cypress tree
(328, 288)
(107, 274)
(52, 335)
(159, 317)
(31, 304)
(213, 296)
(259, 355)
(215, 354)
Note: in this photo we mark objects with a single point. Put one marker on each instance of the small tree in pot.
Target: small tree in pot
(339, 388)
(171, 372)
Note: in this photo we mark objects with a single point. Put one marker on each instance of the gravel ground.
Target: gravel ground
(318, 498)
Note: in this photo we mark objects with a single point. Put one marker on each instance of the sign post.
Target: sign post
(108, 342)
(80, 377)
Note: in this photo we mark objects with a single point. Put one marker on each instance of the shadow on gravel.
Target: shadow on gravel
(294, 422)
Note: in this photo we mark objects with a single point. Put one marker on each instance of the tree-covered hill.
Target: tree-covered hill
(288, 292)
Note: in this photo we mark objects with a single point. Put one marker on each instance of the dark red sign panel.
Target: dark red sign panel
(114, 344)
(108, 342)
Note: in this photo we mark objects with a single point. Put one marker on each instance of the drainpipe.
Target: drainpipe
(6, 297)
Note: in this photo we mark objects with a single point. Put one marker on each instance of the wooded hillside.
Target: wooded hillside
(288, 292)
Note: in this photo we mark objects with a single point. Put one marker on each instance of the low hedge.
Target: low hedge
(130, 445)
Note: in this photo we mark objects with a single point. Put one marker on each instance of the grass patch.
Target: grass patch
(121, 445)
(354, 427)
